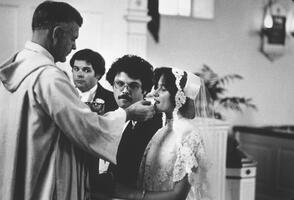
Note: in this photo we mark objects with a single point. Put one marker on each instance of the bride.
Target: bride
(174, 165)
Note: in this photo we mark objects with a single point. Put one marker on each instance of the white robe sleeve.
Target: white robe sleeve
(98, 135)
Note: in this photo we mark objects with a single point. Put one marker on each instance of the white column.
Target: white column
(215, 133)
(137, 20)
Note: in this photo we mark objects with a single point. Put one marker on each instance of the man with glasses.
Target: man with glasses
(132, 78)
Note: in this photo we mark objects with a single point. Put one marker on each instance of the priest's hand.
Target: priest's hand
(140, 111)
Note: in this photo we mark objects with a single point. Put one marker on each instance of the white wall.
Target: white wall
(230, 43)
(104, 28)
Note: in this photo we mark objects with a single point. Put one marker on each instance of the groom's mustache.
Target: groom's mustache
(126, 97)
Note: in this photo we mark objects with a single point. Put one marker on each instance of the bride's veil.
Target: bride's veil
(203, 103)
(203, 121)
(206, 122)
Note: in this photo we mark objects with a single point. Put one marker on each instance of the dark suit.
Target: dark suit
(110, 105)
(131, 149)
(107, 96)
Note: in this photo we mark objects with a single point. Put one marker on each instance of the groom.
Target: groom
(132, 78)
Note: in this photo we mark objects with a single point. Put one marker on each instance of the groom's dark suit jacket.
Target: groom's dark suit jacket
(131, 149)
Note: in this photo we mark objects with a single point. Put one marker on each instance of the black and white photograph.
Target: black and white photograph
(146, 99)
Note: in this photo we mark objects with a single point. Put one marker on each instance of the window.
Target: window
(175, 7)
(195, 8)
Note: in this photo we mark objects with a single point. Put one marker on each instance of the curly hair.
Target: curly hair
(135, 67)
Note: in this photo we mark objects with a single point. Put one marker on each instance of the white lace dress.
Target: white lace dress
(174, 151)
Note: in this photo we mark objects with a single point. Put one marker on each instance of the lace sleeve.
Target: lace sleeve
(191, 160)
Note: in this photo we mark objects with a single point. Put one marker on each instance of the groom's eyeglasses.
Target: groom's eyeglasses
(134, 86)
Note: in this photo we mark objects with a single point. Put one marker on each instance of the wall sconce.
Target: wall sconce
(274, 30)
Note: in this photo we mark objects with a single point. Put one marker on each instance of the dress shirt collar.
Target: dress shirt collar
(32, 46)
(88, 96)
(132, 122)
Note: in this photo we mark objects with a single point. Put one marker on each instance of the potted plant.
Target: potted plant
(216, 86)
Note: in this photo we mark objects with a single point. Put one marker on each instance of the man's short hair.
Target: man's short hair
(50, 13)
(135, 67)
(91, 57)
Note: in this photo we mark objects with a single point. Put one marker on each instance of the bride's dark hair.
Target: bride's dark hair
(187, 110)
